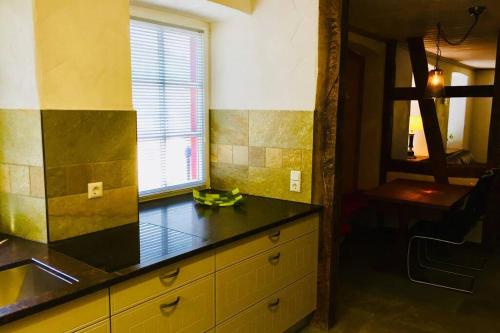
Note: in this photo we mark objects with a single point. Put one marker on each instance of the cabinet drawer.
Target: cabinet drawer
(144, 287)
(246, 283)
(278, 312)
(100, 327)
(68, 317)
(251, 246)
(187, 309)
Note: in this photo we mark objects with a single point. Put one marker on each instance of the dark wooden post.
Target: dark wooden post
(332, 17)
(494, 137)
(430, 121)
(387, 109)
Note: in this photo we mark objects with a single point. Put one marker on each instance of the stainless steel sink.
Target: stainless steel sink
(30, 278)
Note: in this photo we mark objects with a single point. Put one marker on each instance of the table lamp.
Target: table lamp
(415, 125)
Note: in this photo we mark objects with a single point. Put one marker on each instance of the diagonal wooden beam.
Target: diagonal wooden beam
(494, 138)
(430, 121)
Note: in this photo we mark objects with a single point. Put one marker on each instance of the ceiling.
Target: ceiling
(400, 19)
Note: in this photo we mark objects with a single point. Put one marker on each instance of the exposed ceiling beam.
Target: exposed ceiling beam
(245, 6)
(413, 94)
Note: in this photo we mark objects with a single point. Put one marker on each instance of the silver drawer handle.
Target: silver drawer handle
(273, 304)
(168, 306)
(172, 275)
(275, 237)
(274, 259)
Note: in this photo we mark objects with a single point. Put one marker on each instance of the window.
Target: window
(168, 89)
(456, 117)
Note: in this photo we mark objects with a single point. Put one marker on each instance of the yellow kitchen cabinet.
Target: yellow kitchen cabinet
(137, 290)
(278, 312)
(183, 310)
(253, 245)
(243, 284)
(69, 317)
(100, 327)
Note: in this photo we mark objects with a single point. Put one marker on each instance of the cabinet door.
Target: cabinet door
(68, 317)
(187, 309)
(251, 246)
(100, 327)
(135, 291)
(241, 285)
(278, 312)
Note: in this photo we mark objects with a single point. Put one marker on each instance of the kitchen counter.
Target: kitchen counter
(168, 230)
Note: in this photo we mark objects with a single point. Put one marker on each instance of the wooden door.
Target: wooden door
(351, 129)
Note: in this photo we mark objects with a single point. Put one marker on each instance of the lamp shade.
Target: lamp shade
(416, 124)
(435, 83)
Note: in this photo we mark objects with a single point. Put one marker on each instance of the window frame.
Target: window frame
(166, 18)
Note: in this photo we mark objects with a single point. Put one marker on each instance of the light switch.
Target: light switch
(95, 190)
(295, 178)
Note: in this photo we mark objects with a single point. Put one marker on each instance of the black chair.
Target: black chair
(452, 231)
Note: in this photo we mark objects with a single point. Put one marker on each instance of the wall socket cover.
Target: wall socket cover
(95, 190)
(295, 177)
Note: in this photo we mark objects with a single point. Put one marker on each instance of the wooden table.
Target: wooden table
(411, 199)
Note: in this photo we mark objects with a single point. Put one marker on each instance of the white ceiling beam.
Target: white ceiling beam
(245, 6)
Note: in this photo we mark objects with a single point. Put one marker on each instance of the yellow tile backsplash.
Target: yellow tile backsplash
(292, 159)
(280, 129)
(257, 156)
(43, 190)
(224, 153)
(22, 192)
(256, 150)
(21, 137)
(229, 127)
(83, 147)
(19, 179)
(37, 183)
(274, 158)
(74, 215)
(23, 216)
(240, 155)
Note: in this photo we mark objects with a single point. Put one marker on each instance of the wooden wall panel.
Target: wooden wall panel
(325, 187)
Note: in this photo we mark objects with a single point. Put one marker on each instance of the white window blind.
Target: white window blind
(168, 81)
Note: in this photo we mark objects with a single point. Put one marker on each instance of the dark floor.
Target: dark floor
(375, 301)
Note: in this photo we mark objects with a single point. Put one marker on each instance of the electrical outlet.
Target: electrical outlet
(295, 178)
(94, 190)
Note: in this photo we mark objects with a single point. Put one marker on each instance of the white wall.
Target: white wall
(267, 60)
(18, 88)
(83, 54)
(371, 118)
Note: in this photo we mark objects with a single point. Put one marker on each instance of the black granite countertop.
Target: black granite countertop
(168, 230)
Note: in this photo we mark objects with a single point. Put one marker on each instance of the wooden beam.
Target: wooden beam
(411, 94)
(332, 33)
(387, 109)
(425, 168)
(430, 121)
(494, 138)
